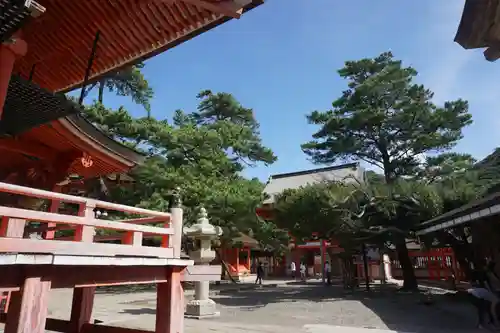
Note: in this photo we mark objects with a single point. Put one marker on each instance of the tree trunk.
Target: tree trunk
(409, 278)
(463, 252)
(100, 96)
(463, 261)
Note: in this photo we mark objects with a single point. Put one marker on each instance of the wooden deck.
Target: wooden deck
(33, 260)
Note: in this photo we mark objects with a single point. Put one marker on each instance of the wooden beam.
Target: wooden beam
(12, 245)
(88, 276)
(28, 148)
(83, 276)
(60, 325)
(144, 220)
(56, 325)
(42, 194)
(223, 7)
(78, 220)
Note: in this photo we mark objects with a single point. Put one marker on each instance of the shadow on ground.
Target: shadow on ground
(139, 311)
(399, 311)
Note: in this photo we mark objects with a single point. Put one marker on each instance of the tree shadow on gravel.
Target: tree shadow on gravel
(400, 311)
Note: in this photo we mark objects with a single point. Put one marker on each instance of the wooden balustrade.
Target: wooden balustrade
(85, 223)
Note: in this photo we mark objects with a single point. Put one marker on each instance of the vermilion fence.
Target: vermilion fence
(15, 231)
(435, 264)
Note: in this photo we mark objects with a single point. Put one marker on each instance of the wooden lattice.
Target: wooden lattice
(28, 106)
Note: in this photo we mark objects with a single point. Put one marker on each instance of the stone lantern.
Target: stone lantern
(203, 233)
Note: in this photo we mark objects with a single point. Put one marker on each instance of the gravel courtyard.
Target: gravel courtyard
(284, 308)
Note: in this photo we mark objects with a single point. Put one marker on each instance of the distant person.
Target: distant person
(260, 273)
(492, 278)
(293, 269)
(485, 302)
(328, 272)
(302, 271)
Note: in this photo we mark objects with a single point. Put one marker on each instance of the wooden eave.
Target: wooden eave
(246, 241)
(473, 211)
(480, 27)
(70, 135)
(91, 135)
(111, 155)
(60, 40)
(37, 125)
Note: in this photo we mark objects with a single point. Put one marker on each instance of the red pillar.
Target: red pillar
(170, 303)
(249, 263)
(8, 55)
(237, 261)
(28, 309)
(429, 265)
(81, 308)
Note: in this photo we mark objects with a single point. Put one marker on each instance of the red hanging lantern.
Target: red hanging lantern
(87, 161)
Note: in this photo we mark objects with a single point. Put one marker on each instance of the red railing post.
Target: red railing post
(85, 233)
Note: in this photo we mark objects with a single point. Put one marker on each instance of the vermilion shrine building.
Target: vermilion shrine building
(48, 150)
(309, 251)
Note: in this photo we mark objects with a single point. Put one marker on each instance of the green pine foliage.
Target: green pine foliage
(203, 153)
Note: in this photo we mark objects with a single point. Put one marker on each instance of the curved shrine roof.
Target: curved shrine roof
(38, 125)
(71, 135)
(61, 39)
(75, 134)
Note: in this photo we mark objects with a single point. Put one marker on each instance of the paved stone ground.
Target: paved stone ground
(310, 308)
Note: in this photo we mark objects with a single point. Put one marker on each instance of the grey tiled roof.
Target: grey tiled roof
(279, 183)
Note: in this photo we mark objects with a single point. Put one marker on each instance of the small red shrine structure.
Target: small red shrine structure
(54, 46)
(239, 258)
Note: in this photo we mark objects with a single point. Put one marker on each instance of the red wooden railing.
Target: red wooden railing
(434, 264)
(85, 223)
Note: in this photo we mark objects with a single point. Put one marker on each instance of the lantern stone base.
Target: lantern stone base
(201, 309)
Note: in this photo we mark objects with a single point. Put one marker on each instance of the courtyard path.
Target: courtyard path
(310, 308)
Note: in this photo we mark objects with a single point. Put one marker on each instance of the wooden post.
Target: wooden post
(11, 227)
(28, 307)
(429, 265)
(454, 267)
(175, 240)
(237, 261)
(81, 308)
(85, 233)
(248, 263)
(83, 298)
(132, 238)
(54, 208)
(170, 303)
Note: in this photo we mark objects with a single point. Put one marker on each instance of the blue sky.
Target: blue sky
(281, 60)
